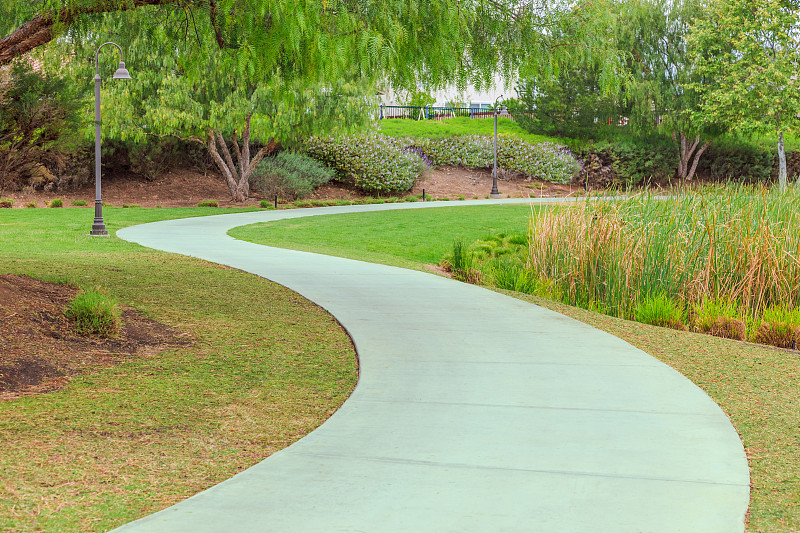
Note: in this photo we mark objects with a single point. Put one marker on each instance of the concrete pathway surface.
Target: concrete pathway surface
(474, 412)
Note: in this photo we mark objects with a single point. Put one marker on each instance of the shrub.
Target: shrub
(719, 318)
(374, 163)
(94, 313)
(779, 327)
(79, 203)
(206, 203)
(31, 204)
(659, 310)
(40, 118)
(128, 206)
(266, 204)
(6, 203)
(57, 203)
(545, 161)
(290, 175)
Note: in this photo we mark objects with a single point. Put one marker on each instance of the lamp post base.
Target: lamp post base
(495, 196)
(98, 231)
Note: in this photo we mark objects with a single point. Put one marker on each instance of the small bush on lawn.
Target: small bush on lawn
(128, 206)
(205, 203)
(374, 163)
(266, 204)
(95, 313)
(779, 327)
(31, 204)
(57, 203)
(290, 175)
(78, 203)
(661, 311)
(6, 203)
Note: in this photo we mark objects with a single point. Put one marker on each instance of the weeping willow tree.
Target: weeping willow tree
(230, 73)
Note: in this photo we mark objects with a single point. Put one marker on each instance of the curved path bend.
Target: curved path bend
(474, 412)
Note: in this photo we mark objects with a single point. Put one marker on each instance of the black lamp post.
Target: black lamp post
(99, 227)
(495, 193)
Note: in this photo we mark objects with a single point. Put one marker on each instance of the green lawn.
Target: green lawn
(755, 385)
(265, 368)
(435, 129)
(406, 238)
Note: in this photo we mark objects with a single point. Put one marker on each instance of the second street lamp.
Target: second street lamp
(495, 193)
(99, 227)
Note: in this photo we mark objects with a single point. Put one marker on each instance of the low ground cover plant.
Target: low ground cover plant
(6, 203)
(58, 202)
(204, 203)
(78, 203)
(373, 163)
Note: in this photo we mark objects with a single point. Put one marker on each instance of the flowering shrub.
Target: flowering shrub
(546, 161)
(374, 163)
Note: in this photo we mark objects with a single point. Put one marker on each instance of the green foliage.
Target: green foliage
(57, 202)
(266, 204)
(738, 161)
(633, 160)
(290, 175)
(132, 206)
(205, 203)
(78, 203)
(6, 203)
(39, 118)
(659, 310)
(374, 163)
(95, 313)
(31, 204)
(747, 53)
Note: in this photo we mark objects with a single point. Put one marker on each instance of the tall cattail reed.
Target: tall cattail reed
(739, 244)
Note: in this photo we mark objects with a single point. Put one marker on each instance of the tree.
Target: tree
(748, 55)
(661, 72)
(235, 71)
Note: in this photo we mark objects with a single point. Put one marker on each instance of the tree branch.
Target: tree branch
(39, 30)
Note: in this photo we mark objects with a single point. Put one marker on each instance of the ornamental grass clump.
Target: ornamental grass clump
(720, 318)
(373, 163)
(733, 244)
(94, 313)
(779, 326)
(660, 310)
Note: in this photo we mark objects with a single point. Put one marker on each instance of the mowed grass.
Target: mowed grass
(264, 368)
(436, 129)
(755, 385)
(407, 238)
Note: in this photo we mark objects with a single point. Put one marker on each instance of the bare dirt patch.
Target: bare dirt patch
(39, 352)
(455, 182)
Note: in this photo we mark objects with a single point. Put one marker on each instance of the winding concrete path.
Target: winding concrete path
(474, 412)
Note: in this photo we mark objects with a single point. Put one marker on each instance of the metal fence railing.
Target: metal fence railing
(432, 112)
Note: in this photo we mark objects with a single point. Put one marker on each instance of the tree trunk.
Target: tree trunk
(690, 153)
(237, 175)
(781, 163)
